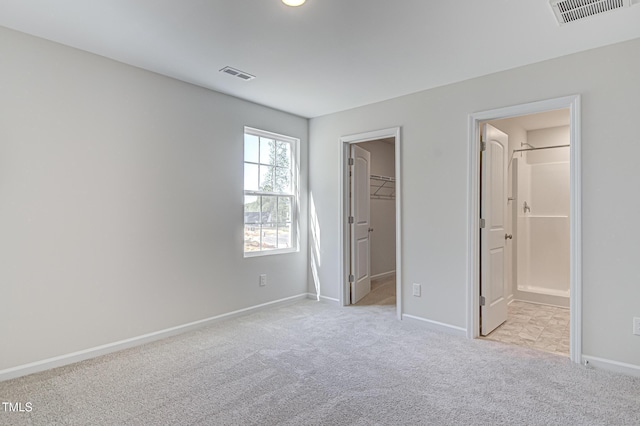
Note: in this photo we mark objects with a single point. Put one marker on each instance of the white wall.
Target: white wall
(544, 184)
(552, 136)
(523, 231)
(383, 211)
(121, 202)
(435, 194)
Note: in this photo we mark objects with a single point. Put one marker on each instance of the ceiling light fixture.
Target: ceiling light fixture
(293, 2)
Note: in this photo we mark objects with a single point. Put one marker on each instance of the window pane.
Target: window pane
(283, 154)
(269, 233)
(251, 238)
(250, 177)
(266, 178)
(284, 235)
(284, 222)
(282, 180)
(251, 148)
(267, 151)
(284, 209)
(269, 209)
(251, 210)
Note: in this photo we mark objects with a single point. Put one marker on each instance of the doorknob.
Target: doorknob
(508, 236)
(370, 229)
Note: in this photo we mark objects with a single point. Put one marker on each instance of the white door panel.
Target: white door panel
(496, 265)
(360, 210)
(493, 242)
(363, 259)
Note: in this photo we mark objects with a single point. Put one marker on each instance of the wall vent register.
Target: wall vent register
(237, 73)
(567, 11)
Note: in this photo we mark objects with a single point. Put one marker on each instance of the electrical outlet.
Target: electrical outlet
(263, 280)
(636, 326)
(416, 289)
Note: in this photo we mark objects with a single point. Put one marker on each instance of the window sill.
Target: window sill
(270, 252)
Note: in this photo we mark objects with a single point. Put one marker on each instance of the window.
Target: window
(270, 188)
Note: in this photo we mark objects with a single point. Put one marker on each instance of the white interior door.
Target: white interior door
(493, 209)
(360, 228)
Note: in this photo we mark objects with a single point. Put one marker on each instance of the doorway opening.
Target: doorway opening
(525, 263)
(371, 239)
(536, 232)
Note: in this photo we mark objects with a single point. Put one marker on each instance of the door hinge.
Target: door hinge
(351, 219)
(482, 223)
(482, 301)
(483, 146)
(352, 278)
(351, 162)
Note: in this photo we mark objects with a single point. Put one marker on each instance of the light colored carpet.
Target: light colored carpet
(313, 363)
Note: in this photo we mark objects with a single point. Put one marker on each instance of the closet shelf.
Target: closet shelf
(382, 187)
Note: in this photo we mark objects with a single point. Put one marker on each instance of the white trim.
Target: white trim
(345, 141)
(383, 275)
(437, 326)
(575, 286)
(473, 252)
(539, 303)
(607, 364)
(260, 253)
(270, 135)
(327, 299)
(71, 358)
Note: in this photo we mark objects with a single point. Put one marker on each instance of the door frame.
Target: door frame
(345, 143)
(575, 216)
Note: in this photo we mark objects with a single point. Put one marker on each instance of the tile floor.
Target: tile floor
(383, 292)
(537, 326)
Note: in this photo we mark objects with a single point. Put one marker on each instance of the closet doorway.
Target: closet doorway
(371, 214)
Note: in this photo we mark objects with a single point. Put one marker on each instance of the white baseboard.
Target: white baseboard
(321, 298)
(539, 303)
(71, 358)
(438, 326)
(607, 364)
(383, 275)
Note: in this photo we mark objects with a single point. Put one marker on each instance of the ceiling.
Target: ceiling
(325, 56)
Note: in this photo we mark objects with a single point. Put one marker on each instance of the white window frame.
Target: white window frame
(294, 194)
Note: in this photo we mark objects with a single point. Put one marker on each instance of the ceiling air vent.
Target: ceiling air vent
(574, 10)
(237, 73)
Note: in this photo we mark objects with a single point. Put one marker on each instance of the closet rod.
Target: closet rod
(534, 149)
(542, 147)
